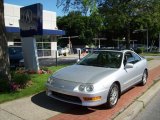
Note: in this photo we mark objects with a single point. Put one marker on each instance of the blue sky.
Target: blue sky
(47, 4)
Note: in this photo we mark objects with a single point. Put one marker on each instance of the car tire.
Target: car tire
(144, 78)
(113, 96)
(65, 54)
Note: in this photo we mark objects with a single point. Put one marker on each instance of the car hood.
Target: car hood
(83, 74)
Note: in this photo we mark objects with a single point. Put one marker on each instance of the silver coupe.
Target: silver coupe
(99, 78)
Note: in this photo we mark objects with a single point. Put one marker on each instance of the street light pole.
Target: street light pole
(147, 40)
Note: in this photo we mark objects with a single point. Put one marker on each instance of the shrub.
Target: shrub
(21, 79)
(44, 68)
(4, 85)
(138, 50)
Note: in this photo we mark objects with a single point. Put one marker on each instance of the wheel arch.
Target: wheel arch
(146, 71)
(119, 85)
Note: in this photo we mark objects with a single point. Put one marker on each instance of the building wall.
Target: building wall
(46, 44)
(12, 16)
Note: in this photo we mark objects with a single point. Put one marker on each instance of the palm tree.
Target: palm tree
(4, 59)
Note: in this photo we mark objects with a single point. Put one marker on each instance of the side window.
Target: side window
(128, 58)
(136, 57)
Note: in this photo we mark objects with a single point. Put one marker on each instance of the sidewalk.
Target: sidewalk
(41, 107)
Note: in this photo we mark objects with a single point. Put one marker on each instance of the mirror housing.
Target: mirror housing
(129, 65)
(78, 60)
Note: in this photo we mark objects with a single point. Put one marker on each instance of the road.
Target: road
(152, 110)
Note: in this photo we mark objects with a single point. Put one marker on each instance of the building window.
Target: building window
(46, 45)
(17, 42)
(43, 46)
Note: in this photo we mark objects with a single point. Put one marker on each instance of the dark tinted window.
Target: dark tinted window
(136, 57)
(108, 59)
(131, 58)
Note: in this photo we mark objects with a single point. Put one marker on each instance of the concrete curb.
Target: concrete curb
(131, 112)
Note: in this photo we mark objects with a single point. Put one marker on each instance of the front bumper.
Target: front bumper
(75, 97)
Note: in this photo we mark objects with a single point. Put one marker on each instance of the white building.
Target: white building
(46, 44)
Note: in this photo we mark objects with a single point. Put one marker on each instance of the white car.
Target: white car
(99, 78)
(63, 51)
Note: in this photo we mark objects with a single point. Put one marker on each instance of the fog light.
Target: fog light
(92, 98)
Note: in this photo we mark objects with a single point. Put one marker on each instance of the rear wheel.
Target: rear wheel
(113, 96)
(144, 78)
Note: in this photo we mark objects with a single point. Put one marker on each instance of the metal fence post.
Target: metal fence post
(79, 54)
(56, 58)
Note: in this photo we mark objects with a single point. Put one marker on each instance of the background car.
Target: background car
(63, 51)
(15, 56)
(99, 78)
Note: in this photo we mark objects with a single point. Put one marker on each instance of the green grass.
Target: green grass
(149, 59)
(150, 54)
(38, 85)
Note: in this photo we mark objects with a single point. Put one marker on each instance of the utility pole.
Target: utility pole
(133, 43)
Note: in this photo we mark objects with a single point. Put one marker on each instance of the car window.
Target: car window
(131, 58)
(108, 59)
(128, 58)
(136, 57)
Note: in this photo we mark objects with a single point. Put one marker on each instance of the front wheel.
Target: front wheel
(113, 96)
(144, 78)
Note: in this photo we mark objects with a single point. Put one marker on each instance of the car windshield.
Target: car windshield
(108, 59)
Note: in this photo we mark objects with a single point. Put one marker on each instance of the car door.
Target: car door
(129, 75)
(139, 64)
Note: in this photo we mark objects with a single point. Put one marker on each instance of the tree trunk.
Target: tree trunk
(4, 59)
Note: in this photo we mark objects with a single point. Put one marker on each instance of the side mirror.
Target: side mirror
(129, 65)
(78, 60)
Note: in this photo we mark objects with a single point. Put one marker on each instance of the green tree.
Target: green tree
(4, 61)
(76, 24)
(122, 15)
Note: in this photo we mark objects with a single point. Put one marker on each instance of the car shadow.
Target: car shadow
(42, 100)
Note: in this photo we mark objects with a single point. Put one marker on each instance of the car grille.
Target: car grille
(66, 98)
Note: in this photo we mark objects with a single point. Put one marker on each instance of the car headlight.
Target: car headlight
(86, 87)
(82, 87)
(89, 88)
(50, 79)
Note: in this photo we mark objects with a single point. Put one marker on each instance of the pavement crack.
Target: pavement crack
(12, 113)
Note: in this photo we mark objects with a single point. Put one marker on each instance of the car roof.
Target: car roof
(114, 50)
